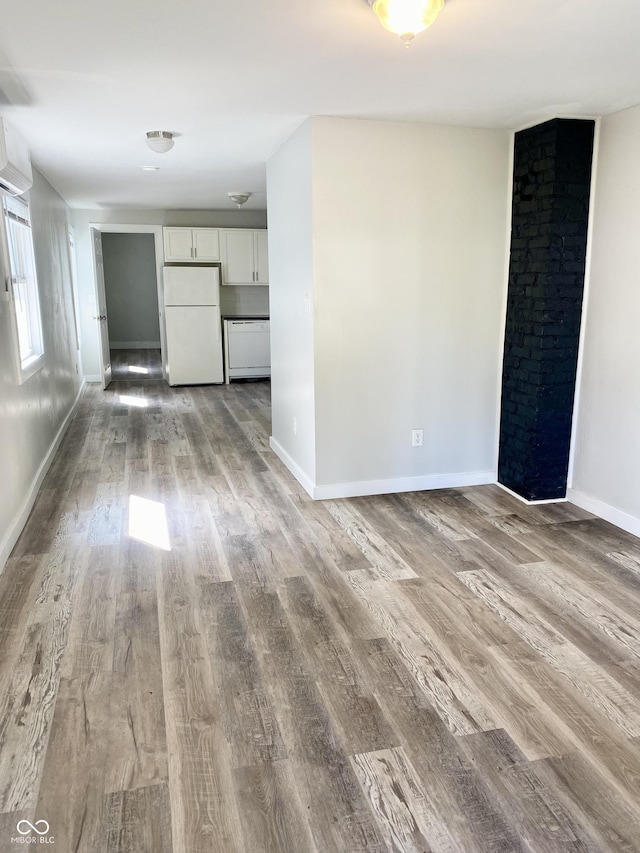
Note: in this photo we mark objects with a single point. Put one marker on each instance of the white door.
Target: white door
(206, 245)
(237, 257)
(101, 305)
(261, 257)
(178, 244)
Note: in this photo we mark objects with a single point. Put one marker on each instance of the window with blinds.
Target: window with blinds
(23, 282)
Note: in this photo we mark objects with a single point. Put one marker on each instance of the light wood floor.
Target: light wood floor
(444, 671)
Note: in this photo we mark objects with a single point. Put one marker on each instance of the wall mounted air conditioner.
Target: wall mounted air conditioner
(16, 176)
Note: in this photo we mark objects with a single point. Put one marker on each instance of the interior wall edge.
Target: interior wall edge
(609, 513)
(301, 476)
(505, 289)
(20, 519)
(575, 421)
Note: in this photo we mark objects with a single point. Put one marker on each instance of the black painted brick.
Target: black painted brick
(550, 208)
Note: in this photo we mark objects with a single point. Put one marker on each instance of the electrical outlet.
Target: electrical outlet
(295, 426)
(417, 437)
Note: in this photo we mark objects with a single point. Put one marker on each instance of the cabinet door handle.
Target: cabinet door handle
(195, 252)
(192, 251)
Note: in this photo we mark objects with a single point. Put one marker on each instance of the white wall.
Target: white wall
(606, 468)
(32, 415)
(289, 193)
(81, 220)
(409, 236)
(131, 289)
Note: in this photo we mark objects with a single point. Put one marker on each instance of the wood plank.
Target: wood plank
(203, 810)
(18, 588)
(137, 821)
(400, 804)
(543, 823)
(594, 802)
(113, 463)
(137, 733)
(27, 707)
(616, 757)
(40, 529)
(587, 564)
(591, 680)
(445, 603)
(454, 790)
(352, 707)
(386, 562)
(584, 636)
(251, 728)
(606, 617)
(107, 516)
(329, 791)
(72, 786)
(335, 541)
(444, 686)
(90, 642)
(273, 820)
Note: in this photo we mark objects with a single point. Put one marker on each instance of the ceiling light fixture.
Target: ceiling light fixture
(150, 168)
(160, 141)
(239, 198)
(406, 18)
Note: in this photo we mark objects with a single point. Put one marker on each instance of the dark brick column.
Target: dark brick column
(552, 180)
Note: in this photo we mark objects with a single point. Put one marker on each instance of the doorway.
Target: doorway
(127, 264)
(131, 290)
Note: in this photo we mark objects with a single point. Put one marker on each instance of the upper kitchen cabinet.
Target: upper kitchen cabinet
(191, 245)
(245, 256)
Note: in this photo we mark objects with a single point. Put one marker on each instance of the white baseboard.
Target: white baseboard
(610, 513)
(15, 528)
(532, 503)
(92, 378)
(134, 344)
(403, 484)
(380, 487)
(305, 481)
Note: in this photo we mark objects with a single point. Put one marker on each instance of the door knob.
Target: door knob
(101, 317)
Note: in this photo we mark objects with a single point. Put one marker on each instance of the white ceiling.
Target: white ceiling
(233, 79)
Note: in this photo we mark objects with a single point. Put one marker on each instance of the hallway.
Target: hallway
(197, 658)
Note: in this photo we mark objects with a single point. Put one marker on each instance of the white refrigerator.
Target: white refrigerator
(192, 317)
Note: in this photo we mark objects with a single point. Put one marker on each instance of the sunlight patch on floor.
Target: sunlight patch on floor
(148, 522)
(127, 400)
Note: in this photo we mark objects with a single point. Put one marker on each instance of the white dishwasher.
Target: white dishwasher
(247, 351)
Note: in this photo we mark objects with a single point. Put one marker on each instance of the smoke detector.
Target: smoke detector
(239, 198)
